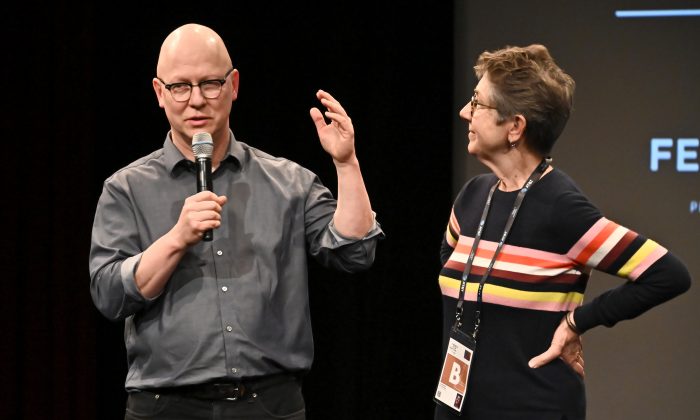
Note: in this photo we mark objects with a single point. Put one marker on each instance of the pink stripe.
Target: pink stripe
(515, 250)
(587, 238)
(467, 240)
(534, 253)
(515, 303)
(648, 261)
(454, 222)
(448, 291)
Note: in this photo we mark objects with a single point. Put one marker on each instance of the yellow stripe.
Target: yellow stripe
(449, 282)
(450, 239)
(509, 293)
(532, 296)
(639, 256)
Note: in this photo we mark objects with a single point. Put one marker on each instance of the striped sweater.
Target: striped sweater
(557, 239)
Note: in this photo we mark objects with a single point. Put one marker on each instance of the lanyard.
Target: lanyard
(534, 177)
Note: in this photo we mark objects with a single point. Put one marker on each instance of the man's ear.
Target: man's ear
(235, 80)
(160, 91)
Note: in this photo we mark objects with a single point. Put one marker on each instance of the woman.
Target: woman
(521, 297)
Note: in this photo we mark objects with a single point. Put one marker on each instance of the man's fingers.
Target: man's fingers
(317, 118)
(204, 196)
(333, 106)
(205, 200)
(337, 118)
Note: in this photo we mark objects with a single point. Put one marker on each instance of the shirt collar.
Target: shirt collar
(174, 158)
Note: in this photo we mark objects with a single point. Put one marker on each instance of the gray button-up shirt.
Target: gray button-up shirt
(235, 307)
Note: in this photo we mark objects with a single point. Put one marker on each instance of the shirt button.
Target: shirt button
(224, 288)
(229, 328)
(219, 252)
(234, 370)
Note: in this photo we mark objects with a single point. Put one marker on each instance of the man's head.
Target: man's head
(528, 82)
(190, 55)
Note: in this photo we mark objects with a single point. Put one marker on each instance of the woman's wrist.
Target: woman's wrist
(571, 322)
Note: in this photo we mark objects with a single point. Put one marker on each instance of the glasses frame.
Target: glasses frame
(474, 103)
(221, 82)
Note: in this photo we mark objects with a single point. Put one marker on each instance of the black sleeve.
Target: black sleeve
(601, 244)
(665, 279)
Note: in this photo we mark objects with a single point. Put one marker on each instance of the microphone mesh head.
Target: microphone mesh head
(202, 145)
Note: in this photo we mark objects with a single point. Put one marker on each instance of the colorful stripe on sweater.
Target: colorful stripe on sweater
(615, 249)
(539, 280)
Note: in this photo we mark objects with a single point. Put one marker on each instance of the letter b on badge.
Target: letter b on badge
(454, 374)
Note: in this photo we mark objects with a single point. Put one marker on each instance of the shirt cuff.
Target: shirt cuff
(342, 240)
(128, 274)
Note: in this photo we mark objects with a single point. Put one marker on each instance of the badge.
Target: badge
(452, 386)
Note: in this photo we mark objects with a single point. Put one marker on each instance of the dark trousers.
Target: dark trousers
(281, 401)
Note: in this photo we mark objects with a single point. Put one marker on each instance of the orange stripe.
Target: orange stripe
(510, 258)
(596, 243)
(531, 261)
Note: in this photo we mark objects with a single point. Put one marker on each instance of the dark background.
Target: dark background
(79, 105)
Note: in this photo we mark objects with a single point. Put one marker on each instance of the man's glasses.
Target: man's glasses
(474, 103)
(181, 91)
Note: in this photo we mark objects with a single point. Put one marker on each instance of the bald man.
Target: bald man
(221, 327)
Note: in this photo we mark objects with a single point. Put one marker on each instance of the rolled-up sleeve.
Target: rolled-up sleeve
(326, 245)
(114, 256)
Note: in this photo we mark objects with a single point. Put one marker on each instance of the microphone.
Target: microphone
(203, 148)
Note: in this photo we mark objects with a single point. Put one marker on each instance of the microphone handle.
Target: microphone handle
(204, 184)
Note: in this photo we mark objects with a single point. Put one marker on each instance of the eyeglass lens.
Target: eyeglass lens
(210, 89)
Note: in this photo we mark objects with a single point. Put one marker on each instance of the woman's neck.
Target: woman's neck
(514, 169)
